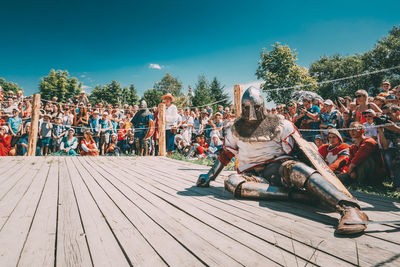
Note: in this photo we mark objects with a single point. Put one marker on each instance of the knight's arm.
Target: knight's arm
(223, 160)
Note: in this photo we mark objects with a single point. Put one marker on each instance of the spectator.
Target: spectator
(389, 138)
(22, 145)
(171, 118)
(95, 126)
(335, 153)
(15, 126)
(363, 105)
(330, 116)
(370, 130)
(58, 133)
(187, 126)
(88, 145)
(81, 118)
(83, 98)
(310, 119)
(319, 140)
(45, 134)
(379, 101)
(69, 144)
(365, 162)
(113, 149)
(5, 141)
(385, 89)
(105, 132)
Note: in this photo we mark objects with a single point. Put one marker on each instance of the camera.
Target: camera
(383, 119)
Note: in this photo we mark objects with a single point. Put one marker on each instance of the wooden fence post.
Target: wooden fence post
(161, 129)
(238, 91)
(33, 132)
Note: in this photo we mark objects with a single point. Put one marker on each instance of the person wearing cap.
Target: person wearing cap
(59, 132)
(309, 118)
(318, 140)
(335, 153)
(385, 88)
(69, 144)
(83, 98)
(105, 132)
(95, 126)
(15, 126)
(5, 141)
(45, 134)
(330, 116)
(171, 118)
(370, 130)
(365, 164)
(221, 109)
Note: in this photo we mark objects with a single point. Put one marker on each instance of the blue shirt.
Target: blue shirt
(314, 124)
(14, 123)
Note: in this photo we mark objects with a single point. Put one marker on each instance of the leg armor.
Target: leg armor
(299, 175)
(258, 188)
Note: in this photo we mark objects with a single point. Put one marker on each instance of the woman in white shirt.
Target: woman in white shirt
(171, 118)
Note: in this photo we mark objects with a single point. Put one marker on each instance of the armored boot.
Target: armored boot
(299, 175)
(205, 179)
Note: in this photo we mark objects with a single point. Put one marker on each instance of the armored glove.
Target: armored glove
(204, 179)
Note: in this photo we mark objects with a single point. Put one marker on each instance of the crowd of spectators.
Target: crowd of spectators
(357, 135)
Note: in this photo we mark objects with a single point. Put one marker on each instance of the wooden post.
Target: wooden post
(237, 91)
(33, 132)
(161, 129)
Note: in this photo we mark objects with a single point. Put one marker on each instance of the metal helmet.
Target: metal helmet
(143, 104)
(253, 107)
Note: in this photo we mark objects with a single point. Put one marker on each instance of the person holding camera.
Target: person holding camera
(389, 138)
(309, 118)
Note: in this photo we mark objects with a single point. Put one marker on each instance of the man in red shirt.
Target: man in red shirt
(336, 153)
(366, 164)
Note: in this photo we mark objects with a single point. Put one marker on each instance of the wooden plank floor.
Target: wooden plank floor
(128, 211)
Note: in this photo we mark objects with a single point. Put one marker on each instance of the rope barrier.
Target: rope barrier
(331, 81)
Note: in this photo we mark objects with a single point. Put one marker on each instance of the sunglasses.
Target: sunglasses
(358, 96)
(368, 116)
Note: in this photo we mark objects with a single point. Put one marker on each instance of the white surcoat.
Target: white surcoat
(251, 154)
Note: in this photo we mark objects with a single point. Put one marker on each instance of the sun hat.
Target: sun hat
(168, 95)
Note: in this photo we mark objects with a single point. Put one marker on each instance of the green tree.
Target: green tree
(202, 92)
(9, 86)
(218, 94)
(129, 95)
(111, 93)
(169, 84)
(278, 68)
(152, 97)
(60, 84)
(336, 67)
(385, 54)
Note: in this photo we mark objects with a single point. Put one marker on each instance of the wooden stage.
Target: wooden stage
(121, 211)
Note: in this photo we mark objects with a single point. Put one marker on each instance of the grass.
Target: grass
(386, 189)
(206, 162)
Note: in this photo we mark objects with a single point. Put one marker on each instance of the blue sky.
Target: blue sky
(100, 41)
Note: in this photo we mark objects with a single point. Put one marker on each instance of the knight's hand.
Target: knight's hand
(203, 180)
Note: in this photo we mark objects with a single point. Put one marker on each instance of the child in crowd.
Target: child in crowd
(45, 134)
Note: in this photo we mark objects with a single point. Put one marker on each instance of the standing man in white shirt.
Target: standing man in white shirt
(171, 117)
(187, 126)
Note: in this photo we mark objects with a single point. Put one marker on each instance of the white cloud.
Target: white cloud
(86, 87)
(155, 66)
(83, 76)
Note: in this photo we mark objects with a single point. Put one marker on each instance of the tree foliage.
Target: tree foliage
(60, 84)
(9, 86)
(202, 92)
(278, 68)
(385, 54)
(169, 84)
(152, 97)
(218, 94)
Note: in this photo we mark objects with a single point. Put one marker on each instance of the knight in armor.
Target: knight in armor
(143, 123)
(272, 165)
